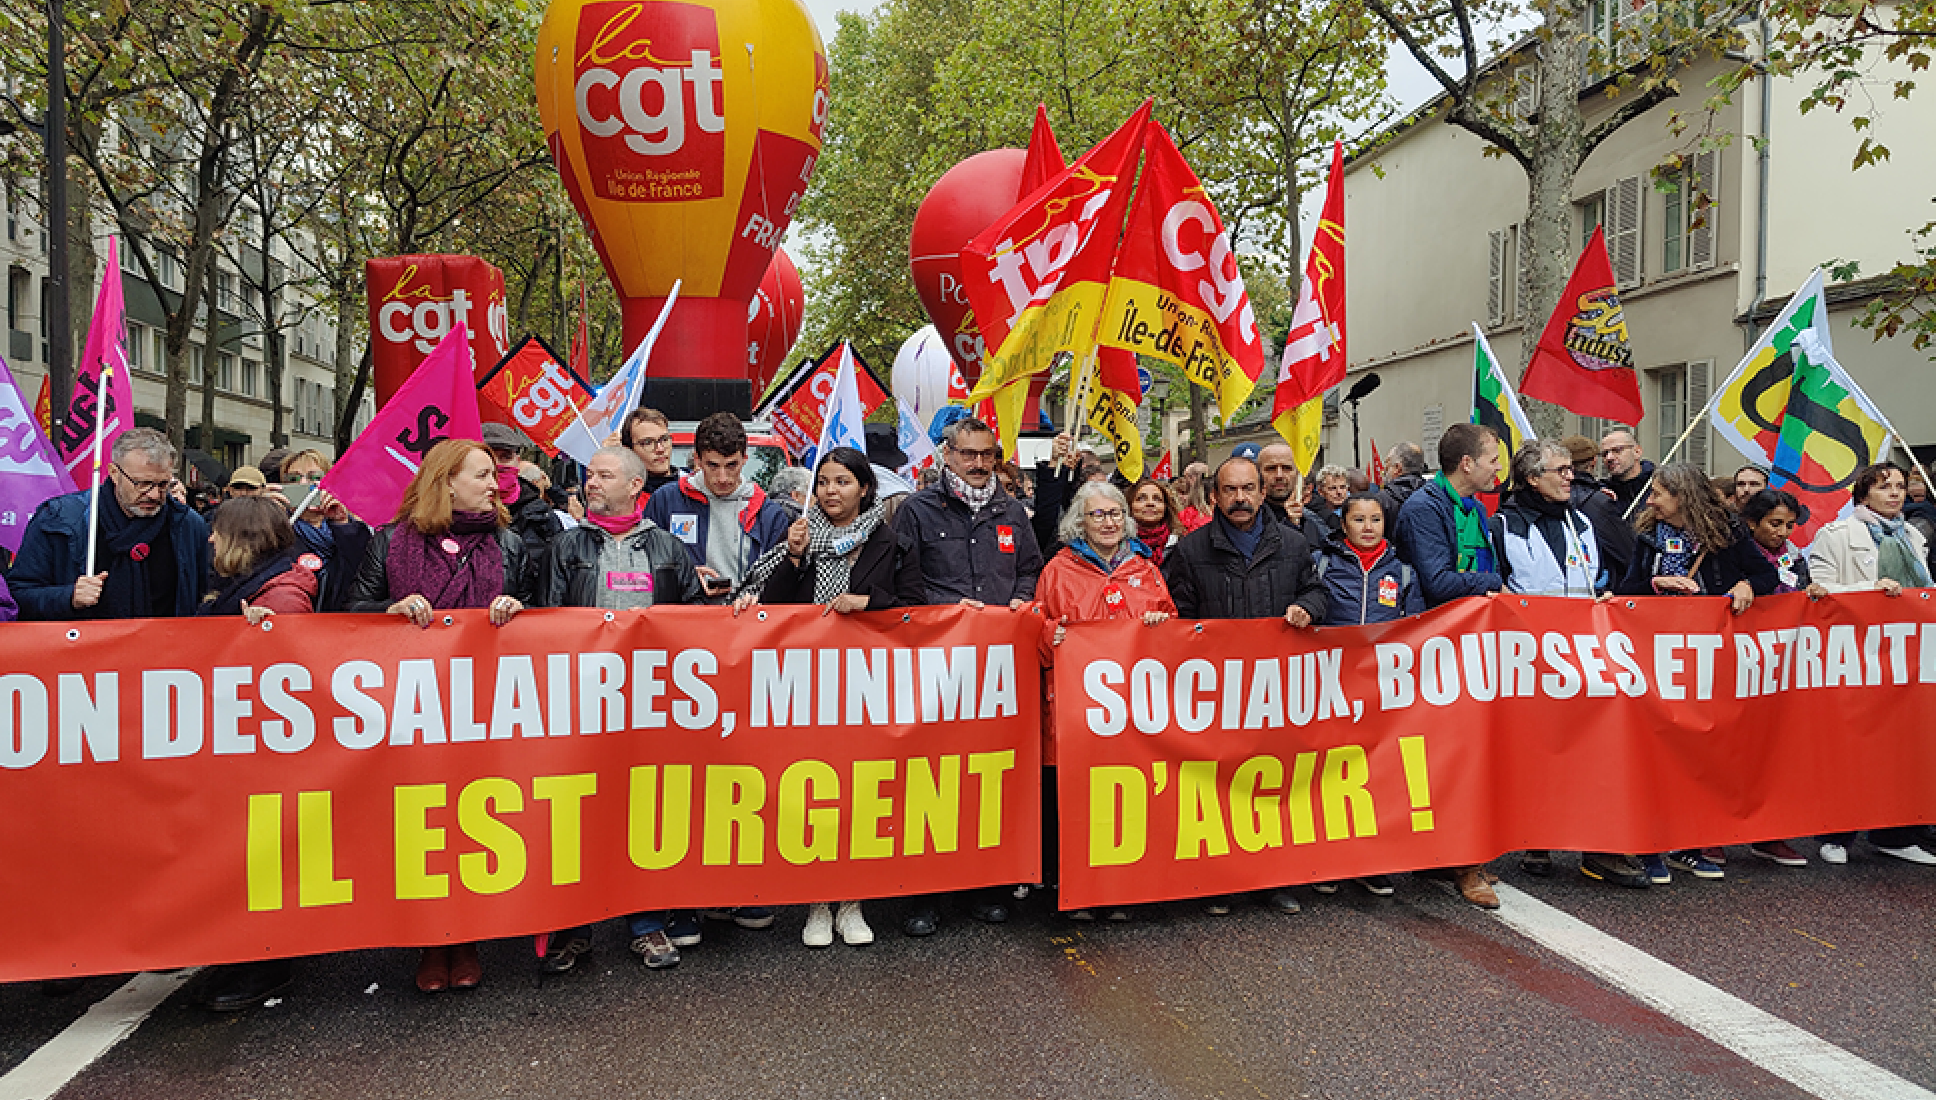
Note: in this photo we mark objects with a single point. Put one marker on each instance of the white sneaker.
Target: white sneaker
(820, 926)
(1834, 853)
(853, 927)
(1911, 854)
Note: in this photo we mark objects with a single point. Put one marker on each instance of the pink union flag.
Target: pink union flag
(106, 350)
(30, 471)
(437, 402)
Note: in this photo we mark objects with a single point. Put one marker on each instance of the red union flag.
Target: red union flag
(437, 402)
(1037, 277)
(1583, 363)
(651, 101)
(532, 389)
(798, 416)
(1177, 293)
(1314, 350)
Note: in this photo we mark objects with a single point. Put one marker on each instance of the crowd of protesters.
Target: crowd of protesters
(481, 527)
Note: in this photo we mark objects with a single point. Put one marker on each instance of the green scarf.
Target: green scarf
(1475, 549)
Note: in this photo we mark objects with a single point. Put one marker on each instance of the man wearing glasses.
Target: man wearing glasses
(978, 550)
(1627, 472)
(151, 551)
(649, 435)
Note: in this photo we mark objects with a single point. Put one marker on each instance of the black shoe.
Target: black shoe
(561, 953)
(921, 922)
(989, 912)
(1537, 863)
(240, 986)
(1617, 869)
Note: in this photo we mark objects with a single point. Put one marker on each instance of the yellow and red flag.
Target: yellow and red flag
(1314, 350)
(1037, 277)
(1176, 293)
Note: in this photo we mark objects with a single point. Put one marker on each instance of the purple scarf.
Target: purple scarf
(461, 568)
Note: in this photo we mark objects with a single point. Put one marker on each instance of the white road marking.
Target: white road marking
(1805, 1060)
(47, 1070)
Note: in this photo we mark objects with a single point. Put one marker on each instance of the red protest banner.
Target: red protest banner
(196, 791)
(1238, 755)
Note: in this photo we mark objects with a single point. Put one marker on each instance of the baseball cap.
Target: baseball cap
(503, 437)
(247, 475)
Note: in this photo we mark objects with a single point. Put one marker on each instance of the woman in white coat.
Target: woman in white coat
(1873, 549)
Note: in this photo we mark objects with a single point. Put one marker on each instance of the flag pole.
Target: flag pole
(1679, 443)
(94, 490)
(304, 506)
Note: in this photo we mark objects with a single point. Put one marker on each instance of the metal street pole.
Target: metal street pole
(60, 342)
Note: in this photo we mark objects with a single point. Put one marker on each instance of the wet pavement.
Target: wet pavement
(1418, 995)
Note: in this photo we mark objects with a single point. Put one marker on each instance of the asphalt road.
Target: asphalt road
(1418, 995)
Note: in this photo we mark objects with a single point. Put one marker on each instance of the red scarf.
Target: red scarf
(1156, 538)
(1368, 558)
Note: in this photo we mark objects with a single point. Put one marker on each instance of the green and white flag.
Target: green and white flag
(1494, 404)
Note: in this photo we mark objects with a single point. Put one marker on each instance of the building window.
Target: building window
(225, 292)
(1504, 274)
(249, 368)
(1621, 210)
(161, 351)
(137, 346)
(195, 365)
(1592, 215)
(1681, 393)
(225, 372)
(1687, 240)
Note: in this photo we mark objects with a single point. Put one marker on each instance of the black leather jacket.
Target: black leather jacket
(371, 592)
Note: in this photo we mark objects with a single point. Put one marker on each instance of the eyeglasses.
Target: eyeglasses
(1106, 515)
(1562, 471)
(655, 442)
(310, 478)
(143, 488)
(986, 454)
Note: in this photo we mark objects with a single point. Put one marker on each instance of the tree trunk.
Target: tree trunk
(211, 356)
(345, 369)
(1558, 147)
(81, 257)
(347, 405)
(1198, 424)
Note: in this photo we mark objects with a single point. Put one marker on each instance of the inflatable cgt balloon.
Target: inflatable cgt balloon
(773, 321)
(685, 134)
(967, 199)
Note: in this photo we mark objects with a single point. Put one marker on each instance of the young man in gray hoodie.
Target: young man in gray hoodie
(724, 522)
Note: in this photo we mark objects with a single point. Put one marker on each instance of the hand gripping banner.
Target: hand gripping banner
(1214, 758)
(175, 792)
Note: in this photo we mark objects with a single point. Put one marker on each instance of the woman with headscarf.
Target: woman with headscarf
(1873, 549)
(841, 554)
(450, 547)
(1689, 543)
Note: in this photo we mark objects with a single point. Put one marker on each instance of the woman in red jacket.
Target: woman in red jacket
(1100, 573)
(259, 571)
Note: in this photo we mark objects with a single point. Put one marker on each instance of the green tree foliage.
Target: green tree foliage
(1253, 91)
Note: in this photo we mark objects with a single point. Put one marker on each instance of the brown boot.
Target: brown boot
(1474, 888)
(433, 970)
(466, 971)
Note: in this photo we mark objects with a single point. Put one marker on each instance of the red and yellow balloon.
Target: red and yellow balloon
(685, 134)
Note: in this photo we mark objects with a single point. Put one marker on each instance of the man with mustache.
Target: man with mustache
(1243, 565)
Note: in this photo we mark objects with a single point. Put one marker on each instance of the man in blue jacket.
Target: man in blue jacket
(724, 521)
(151, 551)
(1443, 534)
(1442, 528)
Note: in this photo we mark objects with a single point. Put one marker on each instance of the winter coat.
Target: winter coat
(684, 509)
(53, 554)
(1547, 552)
(1720, 570)
(537, 523)
(1354, 597)
(371, 592)
(1209, 578)
(1611, 531)
(887, 571)
(9, 611)
(1427, 537)
(1055, 486)
(989, 556)
(1074, 586)
(1398, 490)
(1625, 492)
(569, 576)
(1844, 558)
(287, 585)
